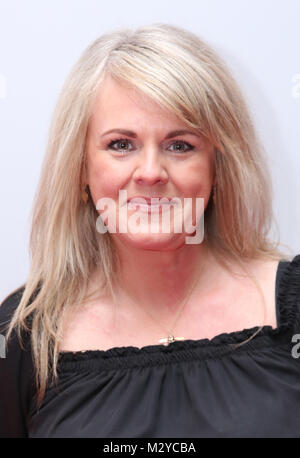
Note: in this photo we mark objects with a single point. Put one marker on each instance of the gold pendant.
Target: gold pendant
(170, 339)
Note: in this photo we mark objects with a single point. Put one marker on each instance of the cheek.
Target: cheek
(105, 179)
(197, 180)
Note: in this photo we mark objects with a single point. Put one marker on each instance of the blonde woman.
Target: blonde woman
(143, 333)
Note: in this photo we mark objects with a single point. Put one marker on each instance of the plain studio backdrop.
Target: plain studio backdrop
(41, 40)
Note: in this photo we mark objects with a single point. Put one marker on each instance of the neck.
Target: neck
(159, 281)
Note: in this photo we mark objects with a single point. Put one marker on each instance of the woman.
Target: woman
(139, 332)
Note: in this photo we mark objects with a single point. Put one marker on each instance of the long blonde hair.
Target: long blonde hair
(182, 73)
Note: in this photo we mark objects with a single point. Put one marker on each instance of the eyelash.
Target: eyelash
(111, 144)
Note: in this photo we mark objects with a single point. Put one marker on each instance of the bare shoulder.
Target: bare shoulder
(264, 269)
(264, 273)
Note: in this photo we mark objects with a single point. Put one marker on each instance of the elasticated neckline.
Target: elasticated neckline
(287, 292)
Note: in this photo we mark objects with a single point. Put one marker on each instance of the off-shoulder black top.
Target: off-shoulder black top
(188, 389)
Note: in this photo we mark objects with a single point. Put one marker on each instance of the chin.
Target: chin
(152, 242)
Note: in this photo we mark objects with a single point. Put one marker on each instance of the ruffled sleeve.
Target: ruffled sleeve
(288, 295)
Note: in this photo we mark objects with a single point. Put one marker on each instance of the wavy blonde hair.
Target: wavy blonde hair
(181, 72)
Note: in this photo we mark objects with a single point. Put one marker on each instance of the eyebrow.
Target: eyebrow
(130, 133)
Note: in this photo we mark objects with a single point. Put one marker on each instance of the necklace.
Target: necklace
(170, 333)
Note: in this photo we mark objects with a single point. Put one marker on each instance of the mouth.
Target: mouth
(154, 200)
(149, 204)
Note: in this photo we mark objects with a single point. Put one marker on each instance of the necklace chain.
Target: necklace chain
(171, 337)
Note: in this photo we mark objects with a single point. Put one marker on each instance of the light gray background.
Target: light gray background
(41, 40)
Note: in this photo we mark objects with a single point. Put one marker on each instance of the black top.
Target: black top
(191, 388)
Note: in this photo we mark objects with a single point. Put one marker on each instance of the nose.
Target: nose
(151, 168)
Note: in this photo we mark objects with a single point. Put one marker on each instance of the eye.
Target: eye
(122, 144)
(180, 144)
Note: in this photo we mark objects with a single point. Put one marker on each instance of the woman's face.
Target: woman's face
(149, 160)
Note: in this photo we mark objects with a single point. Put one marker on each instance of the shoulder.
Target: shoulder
(9, 305)
(17, 344)
(288, 275)
(286, 271)
(13, 349)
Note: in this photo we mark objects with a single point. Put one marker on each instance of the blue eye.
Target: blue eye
(182, 143)
(122, 141)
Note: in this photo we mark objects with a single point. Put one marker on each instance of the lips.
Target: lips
(148, 204)
(148, 200)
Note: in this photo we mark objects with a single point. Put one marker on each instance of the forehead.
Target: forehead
(119, 105)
